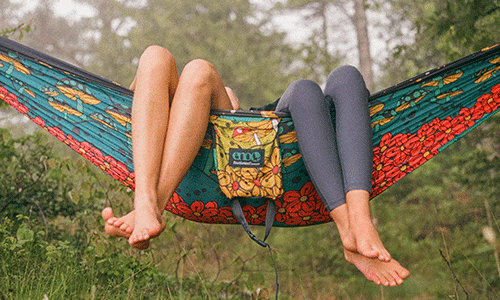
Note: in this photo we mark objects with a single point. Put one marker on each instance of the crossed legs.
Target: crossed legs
(338, 159)
(169, 119)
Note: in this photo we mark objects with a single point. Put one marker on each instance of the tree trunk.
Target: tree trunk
(365, 59)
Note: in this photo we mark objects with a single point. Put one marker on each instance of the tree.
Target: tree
(321, 43)
(57, 36)
(317, 54)
(365, 59)
(255, 62)
(430, 33)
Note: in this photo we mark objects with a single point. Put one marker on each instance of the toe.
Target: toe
(118, 222)
(387, 255)
(124, 227)
(107, 213)
(387, 279)
(392, 281)
(376, 280)
(403, 273)
(369, 253)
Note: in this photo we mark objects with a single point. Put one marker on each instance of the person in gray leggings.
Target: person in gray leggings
(339, 158)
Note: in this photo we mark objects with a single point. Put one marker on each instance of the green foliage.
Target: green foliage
(58, 248)
(252, 58)
(434, 32)
(20, 30)
(316, 53)
(30, 174)
(32, 267)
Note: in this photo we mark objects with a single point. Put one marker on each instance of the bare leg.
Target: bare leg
(155, 85)
(340, 216)
(368, 242)
(200, 89)
(170, 117)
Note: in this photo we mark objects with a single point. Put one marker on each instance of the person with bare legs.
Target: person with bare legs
(169, 120)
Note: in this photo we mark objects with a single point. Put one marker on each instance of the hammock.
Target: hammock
(412, 122)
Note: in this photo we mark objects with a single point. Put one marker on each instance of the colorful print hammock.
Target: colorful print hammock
(412, 122)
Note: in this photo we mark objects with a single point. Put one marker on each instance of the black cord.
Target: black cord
(275, 271)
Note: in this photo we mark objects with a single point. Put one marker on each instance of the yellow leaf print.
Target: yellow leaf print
(375, 109)
(291, 160)
(74, 94)
(450, 94)
(123, 120)
(288, 138)
(17, 65)
(65, 109)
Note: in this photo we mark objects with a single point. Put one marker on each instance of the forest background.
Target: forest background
(439, 222)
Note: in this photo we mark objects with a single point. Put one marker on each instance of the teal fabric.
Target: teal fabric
(412, 122)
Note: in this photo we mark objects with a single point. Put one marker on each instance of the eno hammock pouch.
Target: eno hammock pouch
(248, 163)
(248, 159)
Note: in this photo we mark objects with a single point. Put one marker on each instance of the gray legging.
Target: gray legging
(333, 151)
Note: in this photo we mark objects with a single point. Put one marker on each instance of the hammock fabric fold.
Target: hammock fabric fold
(412, 122)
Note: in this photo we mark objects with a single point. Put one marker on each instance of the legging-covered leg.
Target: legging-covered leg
(346, 87)
(338, 158)
(310, 111)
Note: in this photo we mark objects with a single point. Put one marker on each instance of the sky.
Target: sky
(292, 24)
(62, 7)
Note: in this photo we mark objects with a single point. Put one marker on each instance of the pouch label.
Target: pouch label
(246, 158)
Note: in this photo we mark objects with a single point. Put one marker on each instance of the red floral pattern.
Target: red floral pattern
(300, 208)
(12, 100)
(394, 157)
(200, 212)
(289, 212)
(398, 155)
(305, 200)
(255, 215)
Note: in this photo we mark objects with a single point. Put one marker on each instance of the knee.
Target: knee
(156, 57)
(346, 74)
(304, 85)
(303, 93)
(200, 72)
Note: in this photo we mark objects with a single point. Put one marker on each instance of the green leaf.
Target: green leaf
(24, 235)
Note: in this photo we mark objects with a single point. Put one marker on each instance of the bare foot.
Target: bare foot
(368, 242)
(387, 273)
(148, 221)
(117, 227)
(124, 224)
(121, 227)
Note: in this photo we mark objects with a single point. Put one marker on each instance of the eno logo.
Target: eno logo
(246, 157)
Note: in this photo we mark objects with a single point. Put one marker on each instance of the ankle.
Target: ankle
(340, 216)
(145, 202)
